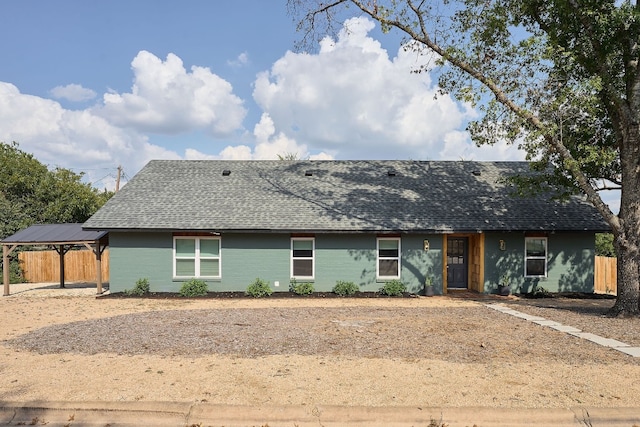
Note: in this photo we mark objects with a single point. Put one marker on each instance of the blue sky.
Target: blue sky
(90, 85)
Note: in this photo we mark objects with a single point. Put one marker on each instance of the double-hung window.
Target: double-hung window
(302, 257)
(535, 257)
(388, 264)
(196, 257)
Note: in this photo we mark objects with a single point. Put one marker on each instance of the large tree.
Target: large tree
(558, 77)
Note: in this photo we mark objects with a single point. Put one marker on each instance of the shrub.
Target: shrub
(193, 288)
(141, 288)
(345, 288)
(259, 288)
(305, 288)
(393, 288)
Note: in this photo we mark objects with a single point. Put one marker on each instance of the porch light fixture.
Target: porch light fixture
(425, 244)
(503, 245)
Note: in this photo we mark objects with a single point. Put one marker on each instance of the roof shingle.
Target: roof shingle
(335, 196)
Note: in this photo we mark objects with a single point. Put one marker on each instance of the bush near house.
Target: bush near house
(141, 288)
(344, 289)
(305, 288)
(193, 288)
(259, 288)
(393, 288)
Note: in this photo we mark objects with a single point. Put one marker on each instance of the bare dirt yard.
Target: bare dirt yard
(440, 351)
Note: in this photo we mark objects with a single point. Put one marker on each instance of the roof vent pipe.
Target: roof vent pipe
(226, 172)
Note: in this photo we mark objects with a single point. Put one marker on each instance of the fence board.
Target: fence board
(79, 266)
(605, 275)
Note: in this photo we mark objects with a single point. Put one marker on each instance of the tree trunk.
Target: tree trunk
(627, 234)
(628, 301)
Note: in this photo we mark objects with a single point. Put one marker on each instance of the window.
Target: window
(196, 257)
(388, 265)
(535, 257)
(302, 257)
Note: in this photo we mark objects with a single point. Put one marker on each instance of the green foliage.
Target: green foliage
(540, 292)
(604, 245)
(393, 288)
(305, 288)
(141, 288)
(259, 288)
(30, 193)
(193, 288)
(345, 288)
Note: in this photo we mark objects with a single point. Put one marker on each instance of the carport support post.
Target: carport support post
(98, 268)
(6, 250)
(62, 252)
(97, 251)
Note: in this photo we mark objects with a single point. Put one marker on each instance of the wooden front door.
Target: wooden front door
(457, 262)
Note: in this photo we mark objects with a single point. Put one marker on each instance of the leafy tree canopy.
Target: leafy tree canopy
(560, 78)
(30, 193)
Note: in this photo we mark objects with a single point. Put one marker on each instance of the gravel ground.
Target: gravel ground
(380, 352)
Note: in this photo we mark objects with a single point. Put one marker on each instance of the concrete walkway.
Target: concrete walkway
(606, 342)
(203, 414)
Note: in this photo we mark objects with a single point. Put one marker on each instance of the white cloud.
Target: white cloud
(167, 99)
(458, 146)
(352, 99)
(240, 61)
(72, 139)
(73, 92)
(268, 146)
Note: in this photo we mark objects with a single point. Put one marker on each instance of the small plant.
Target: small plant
(193, 288)
(141, 288)
(540, 292)
(345, 288)
(305, 288)
(259, 288)
(393, 288)
(428, 286)
(504, 287)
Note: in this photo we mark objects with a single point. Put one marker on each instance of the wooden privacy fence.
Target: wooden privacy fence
(79, 266)
(605, 275)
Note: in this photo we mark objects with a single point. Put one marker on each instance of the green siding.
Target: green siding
(246, 257)
(417, 263)
(570, 263)
(349, 257)
(133, 256)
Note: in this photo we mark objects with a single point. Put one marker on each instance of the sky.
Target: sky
(91, 85)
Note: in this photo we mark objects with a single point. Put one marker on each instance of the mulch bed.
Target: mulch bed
(243, 295)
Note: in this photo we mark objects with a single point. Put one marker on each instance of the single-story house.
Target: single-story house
(368, 222)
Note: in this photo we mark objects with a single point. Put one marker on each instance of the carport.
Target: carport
(61, 237)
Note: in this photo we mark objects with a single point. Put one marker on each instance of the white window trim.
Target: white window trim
(312, 258)
(198, 257)
(379, 258)
(546, 255)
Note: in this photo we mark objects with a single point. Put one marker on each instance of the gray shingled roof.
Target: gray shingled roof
(335, 196)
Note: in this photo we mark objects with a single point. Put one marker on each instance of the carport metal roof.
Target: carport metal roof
(62, 237)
